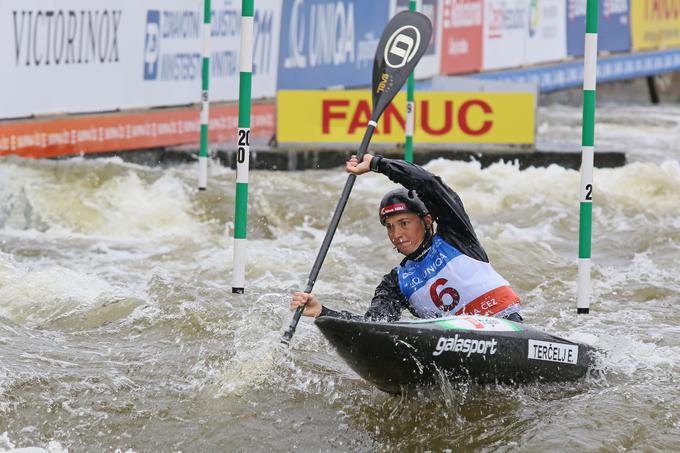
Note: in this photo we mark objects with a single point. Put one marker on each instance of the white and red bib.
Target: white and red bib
(447, 282)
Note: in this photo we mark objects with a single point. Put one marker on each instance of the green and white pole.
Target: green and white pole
(588, 154)
(410, 106)
(205, 99)
(243, 145)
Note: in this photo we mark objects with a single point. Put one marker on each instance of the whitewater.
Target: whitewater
(119, 331)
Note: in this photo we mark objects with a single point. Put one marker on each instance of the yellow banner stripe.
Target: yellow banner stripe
(342, 117)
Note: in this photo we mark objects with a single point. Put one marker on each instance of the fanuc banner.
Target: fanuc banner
(76, 56)
(342, 116)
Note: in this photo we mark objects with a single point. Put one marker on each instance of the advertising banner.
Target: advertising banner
(461, 41)
(547, 33)
(429, 63)
(329, 43)
(506, 29)
(655, 24)
(120, 132)
(172, 44)
(613, 26)
(76, 56)
(568, 75)
(342, 116)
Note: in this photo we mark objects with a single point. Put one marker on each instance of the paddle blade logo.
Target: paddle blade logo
(401, 46)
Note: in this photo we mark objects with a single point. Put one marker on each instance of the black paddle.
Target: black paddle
(401, 45)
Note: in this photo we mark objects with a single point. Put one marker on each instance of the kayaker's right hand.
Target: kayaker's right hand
(359, 168)
(310, 302)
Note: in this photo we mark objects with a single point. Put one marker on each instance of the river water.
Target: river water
(118, 329)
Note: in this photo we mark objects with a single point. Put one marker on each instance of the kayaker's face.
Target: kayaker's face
(406, 231)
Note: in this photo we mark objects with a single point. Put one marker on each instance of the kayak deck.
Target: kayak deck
(410, 354)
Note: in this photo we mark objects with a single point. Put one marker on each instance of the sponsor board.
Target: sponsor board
(329, 43)
(120, 132)
(60, 56)
(506, 29)
(655, 24)
(547, 32)
(613, 26)
(568, 75)
(342, 116)
(467, 346)
(461, 36)
(76, 56)
(173, 40)
(553, 352)
(429, 62)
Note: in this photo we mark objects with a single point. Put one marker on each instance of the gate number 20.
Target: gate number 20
(243, 141)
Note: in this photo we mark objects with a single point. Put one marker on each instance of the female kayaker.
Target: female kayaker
(445, 271)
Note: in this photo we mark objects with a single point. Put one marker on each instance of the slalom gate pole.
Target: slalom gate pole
(587, 159)
(410, 106)
(243, 145)
(205, 99)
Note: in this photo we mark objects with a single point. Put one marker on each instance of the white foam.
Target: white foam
(113, 200)
(36, 296)
(7, 446)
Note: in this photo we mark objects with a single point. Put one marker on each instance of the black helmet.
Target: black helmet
(401, 200)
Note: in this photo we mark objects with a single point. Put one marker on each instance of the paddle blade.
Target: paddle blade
(402, 44)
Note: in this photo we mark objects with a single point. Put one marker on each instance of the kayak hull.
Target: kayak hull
(410, 354)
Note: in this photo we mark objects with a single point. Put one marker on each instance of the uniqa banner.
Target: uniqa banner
(76, 56)
(655, 24)
(613, 26)
(428, 65)
(461, 36)
(342, 117)
(329, 43)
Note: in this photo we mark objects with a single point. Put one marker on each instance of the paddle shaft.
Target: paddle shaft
(325, 245)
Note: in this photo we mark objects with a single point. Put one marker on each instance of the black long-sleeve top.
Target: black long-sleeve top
(453, 225)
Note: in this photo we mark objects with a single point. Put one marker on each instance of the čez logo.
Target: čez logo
(152, 47)
(402, 46)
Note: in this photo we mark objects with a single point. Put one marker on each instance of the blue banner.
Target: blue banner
(570, 75)
(329, 43)
(613, 32)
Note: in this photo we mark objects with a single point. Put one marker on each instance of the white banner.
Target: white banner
(547, 37)
(506, 27)
(71, 56)
(428, 65)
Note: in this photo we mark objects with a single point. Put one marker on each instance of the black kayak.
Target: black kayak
(411, 354)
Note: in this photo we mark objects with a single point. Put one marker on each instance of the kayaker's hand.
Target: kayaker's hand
(311, 303)
(353, 166)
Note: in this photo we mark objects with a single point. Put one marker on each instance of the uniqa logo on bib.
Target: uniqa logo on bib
(402, 46)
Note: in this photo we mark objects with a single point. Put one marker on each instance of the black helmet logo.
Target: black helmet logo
(401, 200)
